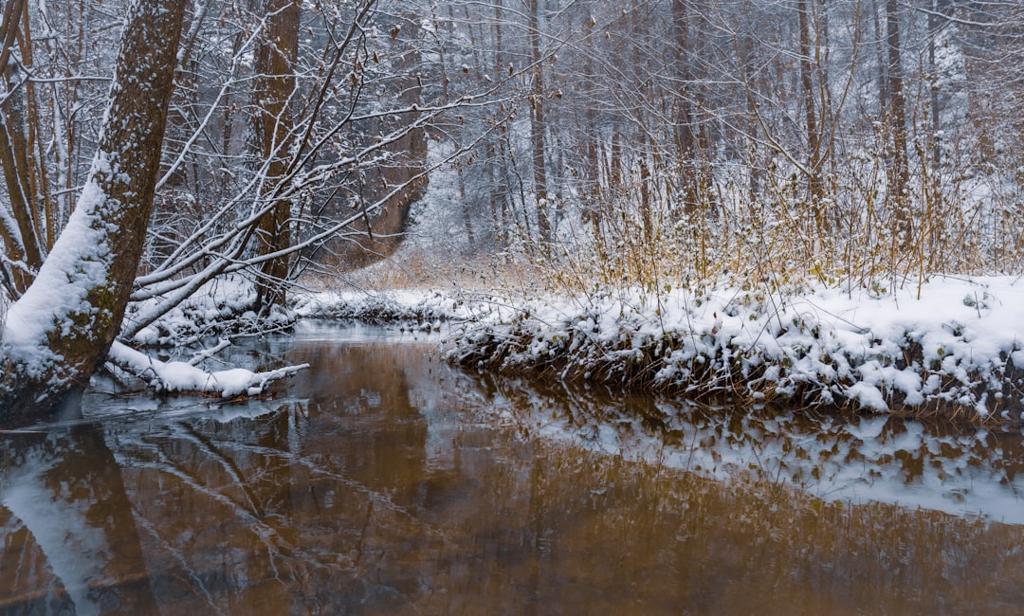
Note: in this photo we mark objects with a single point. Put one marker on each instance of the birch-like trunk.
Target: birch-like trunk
(815, 188)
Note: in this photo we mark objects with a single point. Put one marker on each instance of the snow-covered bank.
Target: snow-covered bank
(959, 348)
(220, 310)
(418, 308)
(956, 348)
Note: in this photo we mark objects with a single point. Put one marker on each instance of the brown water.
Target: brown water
(382, 481)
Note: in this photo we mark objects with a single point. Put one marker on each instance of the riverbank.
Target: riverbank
(953, 346)
(408, 308)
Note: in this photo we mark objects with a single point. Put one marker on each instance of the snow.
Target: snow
(954, 345)
(223, 305)
(423, 307)
(867, 395)
(176, 376)
(78, 264)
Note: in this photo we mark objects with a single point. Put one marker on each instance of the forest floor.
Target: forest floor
(950, 346)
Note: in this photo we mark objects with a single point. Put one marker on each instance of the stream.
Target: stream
(384, 481)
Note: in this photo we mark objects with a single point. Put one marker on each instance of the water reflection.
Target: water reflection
(858, 459)
(385, 482)
(68, 532)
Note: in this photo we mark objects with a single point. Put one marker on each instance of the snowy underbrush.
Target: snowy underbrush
(959, 349)
(223, 307)
(408, 308)
(193, 332)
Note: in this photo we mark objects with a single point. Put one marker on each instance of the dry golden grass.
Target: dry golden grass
(414, 268)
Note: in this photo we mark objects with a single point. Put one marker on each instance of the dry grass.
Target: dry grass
(415, 268)
(853, 236)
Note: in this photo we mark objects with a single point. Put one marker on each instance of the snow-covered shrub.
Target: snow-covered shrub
(960, 346)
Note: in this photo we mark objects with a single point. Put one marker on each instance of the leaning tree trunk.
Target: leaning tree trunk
(60, 330)
(275, 65)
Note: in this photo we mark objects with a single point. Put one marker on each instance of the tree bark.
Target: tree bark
(537, 126)
(594, 210)
(62, 327)
(899, 172)
(684, 137)
(503, 231)
(18, 229)
(935, 111)
(815, 188)
(883, 77)
(275, 63)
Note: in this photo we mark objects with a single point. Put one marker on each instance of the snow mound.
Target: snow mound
(223, 306)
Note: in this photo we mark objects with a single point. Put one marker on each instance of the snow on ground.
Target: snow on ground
(961, 345)
(422, 308)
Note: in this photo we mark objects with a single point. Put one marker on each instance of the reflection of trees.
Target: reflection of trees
(599, 532)
(73, 540)
(287, 508)
(369, 390)
(865, 458)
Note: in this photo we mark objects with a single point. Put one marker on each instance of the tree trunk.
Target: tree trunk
(45, 219)
(498, 173)
(594, 208)
(18, 227)
(899, 172)
(537, 126)
(749, 93)
(62, 327)
(934, 26)
(814, 186)
(883, 77)
(684, 137)
(467, 215)
(275, 62)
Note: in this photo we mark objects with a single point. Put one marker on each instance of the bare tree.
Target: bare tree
(899, 172)
(538, 126)
(275, 79)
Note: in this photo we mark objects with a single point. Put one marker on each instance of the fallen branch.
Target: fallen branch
(183, 377)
